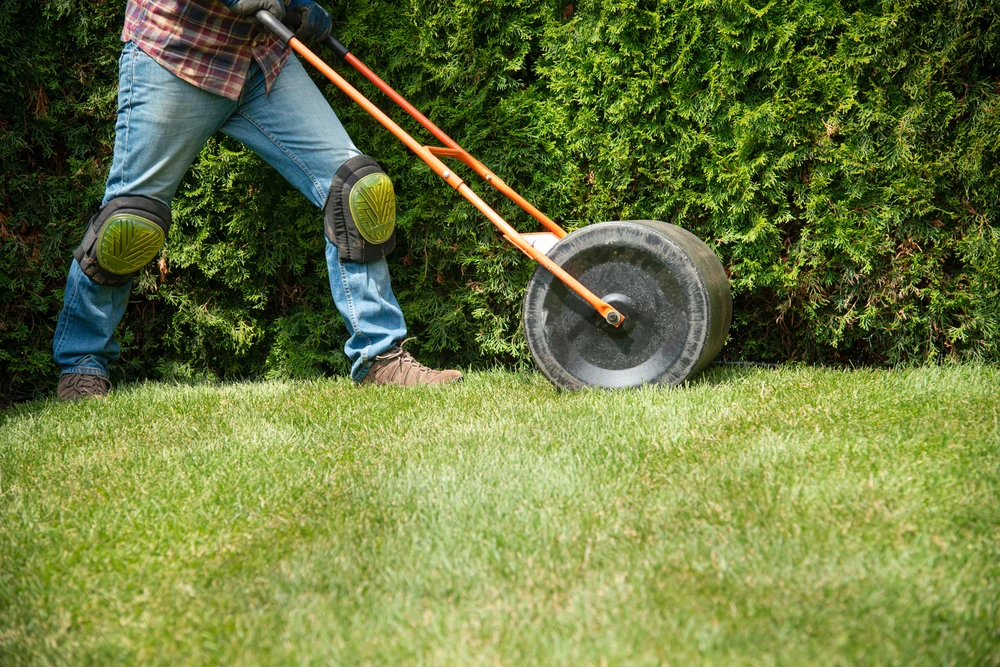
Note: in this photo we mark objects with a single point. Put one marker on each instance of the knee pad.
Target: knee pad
(360, 211)
(124, 236)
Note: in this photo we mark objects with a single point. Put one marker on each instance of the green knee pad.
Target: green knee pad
(124, 236)
(360, 211)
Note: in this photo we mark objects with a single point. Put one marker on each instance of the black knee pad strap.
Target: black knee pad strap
(360, 211)
(124, 236)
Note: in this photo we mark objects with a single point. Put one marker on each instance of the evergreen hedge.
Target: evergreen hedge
(840, 156)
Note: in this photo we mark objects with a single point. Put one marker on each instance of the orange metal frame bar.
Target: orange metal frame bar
(453, 150)
(429, 154)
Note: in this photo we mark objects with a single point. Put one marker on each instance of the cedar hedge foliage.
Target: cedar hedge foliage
(841, 156)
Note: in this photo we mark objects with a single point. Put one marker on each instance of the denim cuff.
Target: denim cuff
(86, 370)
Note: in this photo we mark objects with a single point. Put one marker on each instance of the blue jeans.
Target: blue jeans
(163, 123)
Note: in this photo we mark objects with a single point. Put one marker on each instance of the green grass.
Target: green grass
(759, 516)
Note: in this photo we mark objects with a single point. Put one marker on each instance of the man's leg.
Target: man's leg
(163, 122)
(296, 131)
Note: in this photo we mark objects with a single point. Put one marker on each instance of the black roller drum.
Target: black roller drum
(668, 284)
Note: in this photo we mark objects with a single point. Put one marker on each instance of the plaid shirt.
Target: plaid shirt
(203, 42)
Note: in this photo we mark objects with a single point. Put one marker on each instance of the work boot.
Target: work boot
(73, 386)
(397, 366)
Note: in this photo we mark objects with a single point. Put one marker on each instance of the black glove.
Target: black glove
(249, 8)
(308, 20)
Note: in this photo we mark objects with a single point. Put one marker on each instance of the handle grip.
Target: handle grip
(337, 47)
(284, 33)
(276, 27)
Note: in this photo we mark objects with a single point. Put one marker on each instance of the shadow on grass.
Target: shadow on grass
(22, 405)
(719, 374)
(16, 408)
(27, 405)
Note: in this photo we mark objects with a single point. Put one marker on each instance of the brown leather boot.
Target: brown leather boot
(73, 386)
(397, 366)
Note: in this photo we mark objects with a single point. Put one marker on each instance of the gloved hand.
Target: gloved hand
(308, 20)
(249, 8)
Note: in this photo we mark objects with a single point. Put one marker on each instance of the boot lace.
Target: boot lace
(80, 385)
(92, 384)
(404, 361)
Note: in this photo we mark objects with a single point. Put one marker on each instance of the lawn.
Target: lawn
(757, 516)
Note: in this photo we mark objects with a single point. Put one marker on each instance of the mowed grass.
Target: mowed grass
(756, 516)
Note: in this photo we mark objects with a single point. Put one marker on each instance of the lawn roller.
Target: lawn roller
(614, 304)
